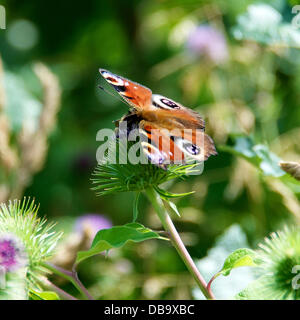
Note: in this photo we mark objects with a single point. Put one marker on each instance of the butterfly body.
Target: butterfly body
(174, 133)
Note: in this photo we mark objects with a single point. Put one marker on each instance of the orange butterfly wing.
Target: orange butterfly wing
(159, 148)
(177, 145)
(135, 94)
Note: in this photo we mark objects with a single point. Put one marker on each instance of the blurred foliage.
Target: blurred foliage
(249, 94)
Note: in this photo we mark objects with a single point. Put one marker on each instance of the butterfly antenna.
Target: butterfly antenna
(105, 90)
(115, 96)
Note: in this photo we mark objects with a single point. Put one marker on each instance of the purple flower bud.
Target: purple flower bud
(206, 40)
(92, 223)
(12, 253)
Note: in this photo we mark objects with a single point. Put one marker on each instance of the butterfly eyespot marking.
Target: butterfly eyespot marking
(161, 102)
(169, 103)
(191, 148)
(186, 145)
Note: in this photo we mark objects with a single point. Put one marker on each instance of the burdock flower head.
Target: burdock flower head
(25, 239)
(12, 253)
(111, 176)
(280, 268)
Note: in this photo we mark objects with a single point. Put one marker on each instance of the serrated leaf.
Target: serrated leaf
(135, 207)
(44, 295)
(116, 237)
(166, 195)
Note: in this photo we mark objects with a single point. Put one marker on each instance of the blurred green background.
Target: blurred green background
(236, 62)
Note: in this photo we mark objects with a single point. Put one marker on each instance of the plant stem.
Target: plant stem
(69, 275)
(48, 284)
(177, 242)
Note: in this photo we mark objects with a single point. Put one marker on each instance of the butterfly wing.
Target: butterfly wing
(136, 95)
(170, 114)
(158, 147)
(176, 146)
(195, 144)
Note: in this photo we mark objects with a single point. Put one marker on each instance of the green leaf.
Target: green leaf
(174, 207)
(135, 207)
(117, 237)
(239, 258)
(44, 295)
(244, 146)
(168, 195)
(259, 155)
(269, 163)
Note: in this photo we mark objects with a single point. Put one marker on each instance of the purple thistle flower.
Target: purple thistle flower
(92, 223)
(206, 40)
(12, 253)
